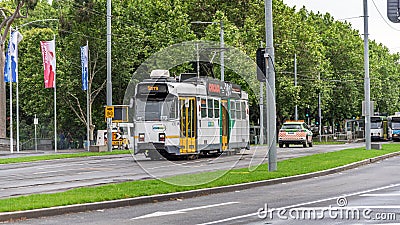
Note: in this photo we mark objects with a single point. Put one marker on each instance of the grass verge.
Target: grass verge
(59, 156)
(286, 168)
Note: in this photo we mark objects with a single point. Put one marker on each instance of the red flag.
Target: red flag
(49, 63)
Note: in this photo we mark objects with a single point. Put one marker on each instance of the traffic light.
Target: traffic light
(260, 60)
(316, 120)
(393, 9)
(307, 112)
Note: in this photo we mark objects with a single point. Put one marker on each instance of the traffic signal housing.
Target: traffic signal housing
(307, 112)
(261, 67)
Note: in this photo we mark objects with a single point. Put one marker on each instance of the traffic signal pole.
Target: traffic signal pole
(270, 57)
(367, 81)
(109, 83)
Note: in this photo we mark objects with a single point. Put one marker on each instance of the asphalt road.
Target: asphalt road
(373, 191)
(63, 174)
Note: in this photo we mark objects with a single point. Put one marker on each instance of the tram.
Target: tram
(188, 116)
(394, 127)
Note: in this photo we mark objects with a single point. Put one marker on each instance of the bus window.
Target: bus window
(210, 108)
(216, 108)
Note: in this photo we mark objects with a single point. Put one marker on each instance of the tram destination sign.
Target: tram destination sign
(152, 89)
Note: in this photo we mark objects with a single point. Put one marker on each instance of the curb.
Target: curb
(53, 211)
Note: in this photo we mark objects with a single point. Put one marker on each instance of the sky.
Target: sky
(380, 28)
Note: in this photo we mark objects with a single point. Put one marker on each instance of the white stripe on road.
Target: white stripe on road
(301, 204)
(379, 195)
(180, 211)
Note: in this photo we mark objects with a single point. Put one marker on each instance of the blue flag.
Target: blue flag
(85, 70)
(11, 63)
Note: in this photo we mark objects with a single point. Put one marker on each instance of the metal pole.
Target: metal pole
(198, 60)
(272, 159)
(35, 122)
(261, 113)
(319, 110)
(109, 82)
(55, 104)
(261, 109)
(11, 114)
(87, 102)
(17, 112)
(367, 81)
(296, 117)
(222, 44)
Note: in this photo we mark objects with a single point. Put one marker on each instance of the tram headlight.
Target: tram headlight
(141, 137)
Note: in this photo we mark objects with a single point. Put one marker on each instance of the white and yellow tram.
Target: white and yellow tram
(189, 117)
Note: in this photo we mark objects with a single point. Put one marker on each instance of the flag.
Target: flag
(84, 62)
(49, 63)
(11, 63)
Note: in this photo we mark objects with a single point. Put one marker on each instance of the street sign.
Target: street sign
(109, 112)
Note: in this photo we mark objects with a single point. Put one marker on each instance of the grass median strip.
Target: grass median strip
(59, 156)
(131, 189)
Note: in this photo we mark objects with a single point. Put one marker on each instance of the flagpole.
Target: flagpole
(11, 115)
(87, 101)
(16, 81)
(55, 101)
(17, 114)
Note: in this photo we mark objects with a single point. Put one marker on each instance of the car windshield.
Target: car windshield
(291, 126)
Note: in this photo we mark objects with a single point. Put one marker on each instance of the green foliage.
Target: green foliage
(324, 47)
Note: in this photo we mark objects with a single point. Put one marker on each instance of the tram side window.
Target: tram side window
(171, 107)
(210, 108)
(233, 109)
(203, 103)
(238, 112)
(243, 110)
(216, 108)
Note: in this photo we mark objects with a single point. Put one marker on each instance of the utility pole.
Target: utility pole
(270, 57)
(319, 110)
(296, 117)
(222, 46)
(261, 109)
(367, 81)
(109, 81)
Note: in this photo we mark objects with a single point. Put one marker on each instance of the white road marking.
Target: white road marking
(301, 204)
(380, 195)
(180, 211)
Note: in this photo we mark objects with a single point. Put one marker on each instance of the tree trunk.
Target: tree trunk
(3, 99)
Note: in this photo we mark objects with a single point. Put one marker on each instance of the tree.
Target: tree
(9, 16)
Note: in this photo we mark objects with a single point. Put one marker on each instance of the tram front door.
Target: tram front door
(188, 125)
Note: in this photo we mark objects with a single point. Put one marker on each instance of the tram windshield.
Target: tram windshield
(156, 109)
(395, 125)
(376, 125)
